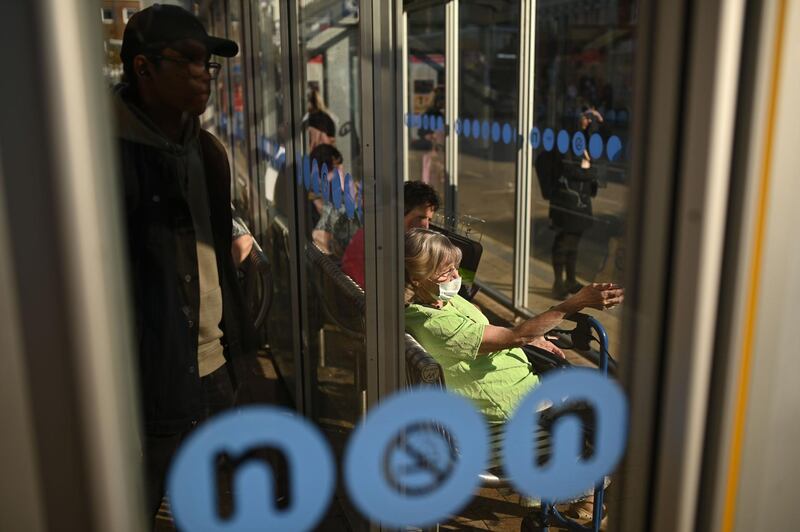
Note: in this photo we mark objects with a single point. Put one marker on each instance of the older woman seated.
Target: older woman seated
(482, 362)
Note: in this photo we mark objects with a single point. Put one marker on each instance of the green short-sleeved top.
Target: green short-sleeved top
(495, 382)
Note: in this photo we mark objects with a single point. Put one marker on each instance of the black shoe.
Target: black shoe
(574, 287)
(560, 291)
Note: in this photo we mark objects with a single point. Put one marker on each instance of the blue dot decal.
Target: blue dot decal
(192, 479)
(622, 117)
(611, 116)
(476, 129)
(326, 185)
(417, 120)
(440, 124)
(578, 144)
(563, 141)
(336, 189)
(416, 457)
(485, 130)
(458, 126)
(495, 132)
(349, 201)
(548, 139)
(507, 133)
(536, 138)
(467, 127)
(315, 185)
(595, 146)
(298, 169)
(566, 474)
(306, 171)
(613, 148)
(425, 121)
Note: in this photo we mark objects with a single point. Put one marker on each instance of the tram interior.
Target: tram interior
(465, 122)
(521, 116)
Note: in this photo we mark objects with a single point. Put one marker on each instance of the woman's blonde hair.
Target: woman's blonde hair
(427, 252)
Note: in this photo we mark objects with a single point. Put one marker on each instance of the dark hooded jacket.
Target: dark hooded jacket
(163, 257)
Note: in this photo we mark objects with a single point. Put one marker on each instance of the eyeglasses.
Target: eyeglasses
(446, 275)
(195, 68)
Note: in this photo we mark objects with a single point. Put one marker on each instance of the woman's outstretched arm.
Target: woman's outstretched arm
(597, 295)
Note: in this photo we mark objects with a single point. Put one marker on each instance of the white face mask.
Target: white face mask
(448, 289)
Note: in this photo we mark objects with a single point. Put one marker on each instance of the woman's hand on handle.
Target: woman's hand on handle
(543, 343)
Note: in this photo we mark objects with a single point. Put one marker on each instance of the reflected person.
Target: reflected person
(327, 156)
(482, 362)
(189, 317)
(574, 186)
(321, 129)
(433, 160)
(334, 229)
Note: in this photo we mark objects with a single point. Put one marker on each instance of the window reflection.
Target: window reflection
(583, 95)
(572, 149)
(489, 37)
(114, 16)
(218, 113)
(328, 183)
(274, 185)
(427, 97)
(241, 194)
(270, 126)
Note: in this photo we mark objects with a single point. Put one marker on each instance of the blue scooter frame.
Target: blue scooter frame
(580, 339)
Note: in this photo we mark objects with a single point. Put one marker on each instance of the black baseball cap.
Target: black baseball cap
(156, 27)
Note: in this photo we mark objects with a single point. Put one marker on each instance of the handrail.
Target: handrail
(256, 268)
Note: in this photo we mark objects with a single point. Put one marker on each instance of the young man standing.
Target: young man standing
(190, 322)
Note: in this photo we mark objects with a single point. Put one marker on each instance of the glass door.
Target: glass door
(518, 114)
(488, 36)
(329, 189)
(581, 149)
(461, 121)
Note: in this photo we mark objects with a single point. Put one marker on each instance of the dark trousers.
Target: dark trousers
(565, 255)
(218, 395)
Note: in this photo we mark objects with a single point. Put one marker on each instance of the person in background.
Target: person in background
(334, 230)
(420, 202)
(314, 101)
(433, 159)
(321, 130)
(328, 156)
(571, 208)
(243, 240)
(190, 321)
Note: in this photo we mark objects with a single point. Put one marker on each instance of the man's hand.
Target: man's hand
(240, 248)
(594, 112)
